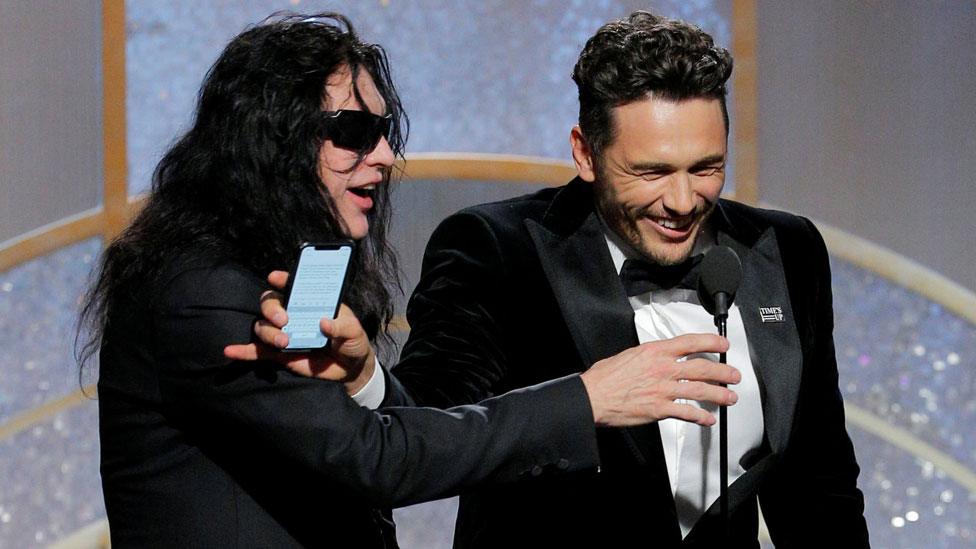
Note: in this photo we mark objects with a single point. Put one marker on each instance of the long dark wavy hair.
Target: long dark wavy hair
(242, 185)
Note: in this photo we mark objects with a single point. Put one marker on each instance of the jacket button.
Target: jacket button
(562, 464)
(536, 471)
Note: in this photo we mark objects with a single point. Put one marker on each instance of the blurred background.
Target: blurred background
(859, 115)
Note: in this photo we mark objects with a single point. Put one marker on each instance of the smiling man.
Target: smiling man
(659, 180)
(525, 290)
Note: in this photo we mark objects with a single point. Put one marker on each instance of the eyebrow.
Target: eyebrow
(641, 167)
(710, 160)
(664, 166)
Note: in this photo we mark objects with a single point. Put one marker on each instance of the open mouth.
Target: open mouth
(672, 229)
(675, 224)
(363, 192)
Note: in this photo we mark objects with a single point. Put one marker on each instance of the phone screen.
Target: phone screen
(316, 288)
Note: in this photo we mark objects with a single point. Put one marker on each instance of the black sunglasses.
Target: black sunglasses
(355, 130)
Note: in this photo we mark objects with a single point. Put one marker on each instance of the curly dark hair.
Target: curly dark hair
(645, 55)
(242, 185)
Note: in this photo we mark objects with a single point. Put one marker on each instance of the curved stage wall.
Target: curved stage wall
(905, 336)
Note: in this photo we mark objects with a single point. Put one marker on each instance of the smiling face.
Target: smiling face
(659, 178)
(350, 185)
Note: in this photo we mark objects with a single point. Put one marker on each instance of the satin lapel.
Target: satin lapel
(590, 295)
(591, 298)
(774, 343)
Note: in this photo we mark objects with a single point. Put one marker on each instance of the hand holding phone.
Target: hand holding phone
(350, 359)
(314, 291)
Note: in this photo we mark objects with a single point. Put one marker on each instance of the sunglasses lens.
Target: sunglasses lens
(384, 127)
(357, 130)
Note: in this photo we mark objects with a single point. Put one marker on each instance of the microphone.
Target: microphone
(718, 280)
(720, 274)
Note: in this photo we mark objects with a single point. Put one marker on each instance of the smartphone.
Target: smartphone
(314, 291)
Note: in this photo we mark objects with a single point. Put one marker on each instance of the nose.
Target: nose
(381, 155)
(679, 197)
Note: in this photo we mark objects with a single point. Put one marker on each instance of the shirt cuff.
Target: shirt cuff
(372, 394)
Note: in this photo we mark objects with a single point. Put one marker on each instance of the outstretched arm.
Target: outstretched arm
(636, 386)
(393, 457)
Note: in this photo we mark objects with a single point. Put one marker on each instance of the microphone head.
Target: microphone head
(720, 273)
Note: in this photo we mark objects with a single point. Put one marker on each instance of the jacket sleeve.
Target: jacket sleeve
(454, 354)
(392, 456)
(813, 495)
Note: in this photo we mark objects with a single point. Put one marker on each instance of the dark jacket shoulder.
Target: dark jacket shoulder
(750, 222)
(198, 280)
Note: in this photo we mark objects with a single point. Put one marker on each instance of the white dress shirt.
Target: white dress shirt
(371, 395)
(692, 451)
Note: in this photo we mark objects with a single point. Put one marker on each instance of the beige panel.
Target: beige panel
(50, 125)
(746, 89)
(114, 116)
(868, 122)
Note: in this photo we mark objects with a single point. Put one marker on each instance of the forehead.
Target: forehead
(340, 91)
(669, 130)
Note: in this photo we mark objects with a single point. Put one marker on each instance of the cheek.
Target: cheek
(334, 188)
(618, 203)
(638, 196)
(710, 188)
(334, 181)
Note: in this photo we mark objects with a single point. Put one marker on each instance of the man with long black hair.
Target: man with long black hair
(296, 131)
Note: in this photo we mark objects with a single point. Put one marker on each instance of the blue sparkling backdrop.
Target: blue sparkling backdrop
(488, 76)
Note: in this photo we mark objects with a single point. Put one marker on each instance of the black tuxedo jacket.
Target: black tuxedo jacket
(524, 290)
(200, 452)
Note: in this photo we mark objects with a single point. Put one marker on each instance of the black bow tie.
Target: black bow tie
(640, 277)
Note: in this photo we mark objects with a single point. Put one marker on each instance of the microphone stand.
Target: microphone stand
(722, 303)
(721, 272)
(723, 440)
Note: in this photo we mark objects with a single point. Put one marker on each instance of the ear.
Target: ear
(582, 155)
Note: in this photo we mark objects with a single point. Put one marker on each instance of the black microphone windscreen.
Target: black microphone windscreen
(720, 272)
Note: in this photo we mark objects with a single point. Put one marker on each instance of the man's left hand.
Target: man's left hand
(350, 358)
